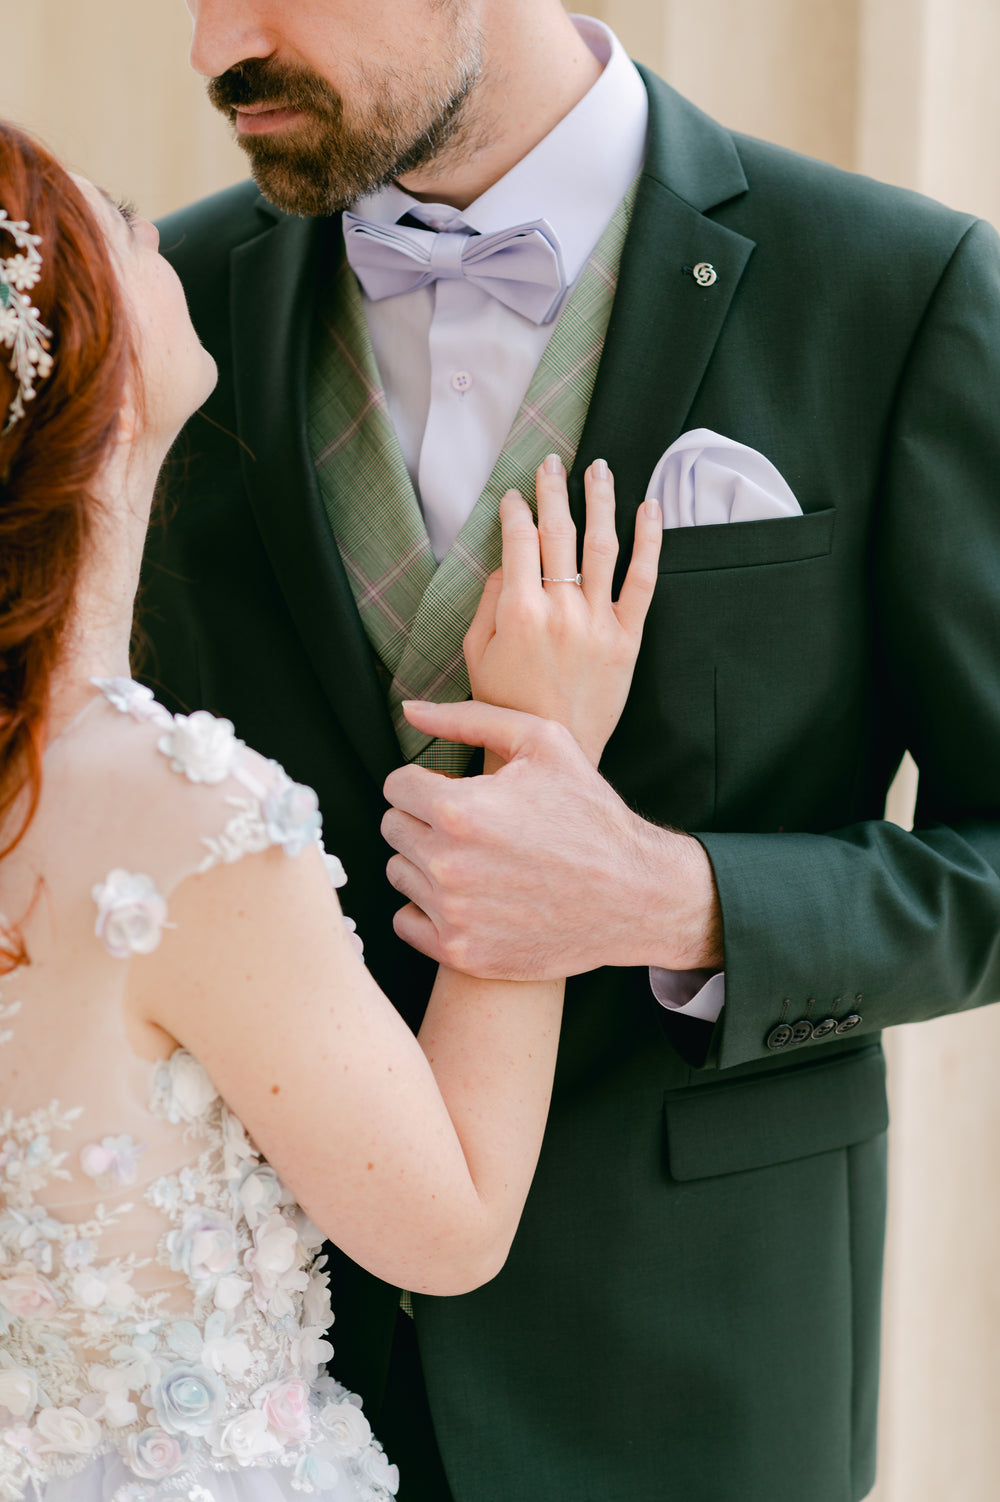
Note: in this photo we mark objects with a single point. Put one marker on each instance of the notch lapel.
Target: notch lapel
(664, 324)
(274, 277)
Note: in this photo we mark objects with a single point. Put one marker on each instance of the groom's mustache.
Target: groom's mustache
(261, 80)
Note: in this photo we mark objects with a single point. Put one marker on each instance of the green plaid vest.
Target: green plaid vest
(416, 611)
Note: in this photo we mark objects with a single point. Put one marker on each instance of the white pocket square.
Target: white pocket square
(704, 479)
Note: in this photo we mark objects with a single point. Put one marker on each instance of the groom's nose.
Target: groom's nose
(227, 32)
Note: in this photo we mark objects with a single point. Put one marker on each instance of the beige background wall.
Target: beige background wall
(904, 90)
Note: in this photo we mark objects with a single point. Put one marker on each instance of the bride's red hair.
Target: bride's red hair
(50, 458)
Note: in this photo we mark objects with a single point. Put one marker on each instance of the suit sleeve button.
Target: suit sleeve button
(779, 1037)
(849, 1023)
(825, 1028)
(801, 1031)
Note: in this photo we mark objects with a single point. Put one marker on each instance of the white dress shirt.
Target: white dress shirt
(456, 364)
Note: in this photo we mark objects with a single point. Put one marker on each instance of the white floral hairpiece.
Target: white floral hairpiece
(21, 326)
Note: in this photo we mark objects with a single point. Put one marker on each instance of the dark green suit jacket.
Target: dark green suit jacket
(691, 1307)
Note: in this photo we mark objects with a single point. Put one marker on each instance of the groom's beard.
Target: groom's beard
(325, 163)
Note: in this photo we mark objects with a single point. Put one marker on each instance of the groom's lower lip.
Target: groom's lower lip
(257, 120)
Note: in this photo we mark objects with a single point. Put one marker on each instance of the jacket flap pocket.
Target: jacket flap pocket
(772, 1118)
(781, 539)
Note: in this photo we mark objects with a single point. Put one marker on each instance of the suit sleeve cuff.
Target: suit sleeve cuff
(690, 993)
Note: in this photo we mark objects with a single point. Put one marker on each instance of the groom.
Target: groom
(691, 1307)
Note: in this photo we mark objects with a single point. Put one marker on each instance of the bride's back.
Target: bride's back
(86, 1125)
(157, 1281)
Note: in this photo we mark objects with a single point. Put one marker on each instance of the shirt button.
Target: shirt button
(461, 380)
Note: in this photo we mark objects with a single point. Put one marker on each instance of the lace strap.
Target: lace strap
(203, 748)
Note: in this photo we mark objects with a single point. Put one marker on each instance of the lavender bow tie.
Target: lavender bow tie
(521, 267)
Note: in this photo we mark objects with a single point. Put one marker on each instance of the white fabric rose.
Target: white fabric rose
(291, 812)
(112, 1163)
(114, 1384)
(130, 913)
(316, 1306)
(236, 1145)
(374, 1466)
(18, 1392)
(227, 1355)
(246, 1439)
(309, 1351)
(188, 1399)
(273, 1262)
(285, 1405)
(66, 1431)
(356, 941)
(133, 699)
(230, 1292)
(260, 1192)
(204, 748)
(315, 1473)
(348, 1429)
(205, 1246)
(23, 1441)
(154, 1454)
(27, 1295)
(310, 1236)
(185, 1091)
(98, 1288)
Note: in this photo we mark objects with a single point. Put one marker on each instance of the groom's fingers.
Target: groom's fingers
(415, 928)
(408, 880)
(505, 731)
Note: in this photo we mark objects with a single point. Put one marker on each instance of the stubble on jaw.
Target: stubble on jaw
(391, 126)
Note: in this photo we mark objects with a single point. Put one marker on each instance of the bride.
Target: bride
(200, 1081)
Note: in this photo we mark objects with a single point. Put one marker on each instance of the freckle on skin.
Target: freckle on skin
(371, 1166)
(275, 1089)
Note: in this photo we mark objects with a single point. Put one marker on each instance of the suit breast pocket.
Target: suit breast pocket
(749, 654)
(783, 539)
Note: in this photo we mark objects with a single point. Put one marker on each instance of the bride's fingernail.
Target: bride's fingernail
(553, 465)
(600, 469)
(653, 509)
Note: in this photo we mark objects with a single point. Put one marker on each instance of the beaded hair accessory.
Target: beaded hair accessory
(21, 328)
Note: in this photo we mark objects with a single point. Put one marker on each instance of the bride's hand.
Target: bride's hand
(559, 650)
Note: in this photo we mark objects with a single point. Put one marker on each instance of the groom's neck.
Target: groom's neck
(536, 68)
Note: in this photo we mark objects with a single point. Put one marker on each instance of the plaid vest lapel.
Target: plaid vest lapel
(366, 488)
(415, 611)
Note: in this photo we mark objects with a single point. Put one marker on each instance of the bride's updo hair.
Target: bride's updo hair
(51, 457)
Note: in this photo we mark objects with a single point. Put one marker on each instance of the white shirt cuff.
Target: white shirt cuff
(692, 993)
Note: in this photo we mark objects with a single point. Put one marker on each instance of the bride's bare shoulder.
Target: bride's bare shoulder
(180, 791)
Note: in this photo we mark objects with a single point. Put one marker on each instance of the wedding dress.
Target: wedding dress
(163, 1300)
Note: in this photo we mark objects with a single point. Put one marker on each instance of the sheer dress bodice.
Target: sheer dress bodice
(163, 1300)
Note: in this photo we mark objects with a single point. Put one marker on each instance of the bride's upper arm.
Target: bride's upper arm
(259, 979)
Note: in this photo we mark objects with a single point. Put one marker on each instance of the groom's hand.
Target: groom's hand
(539, 870)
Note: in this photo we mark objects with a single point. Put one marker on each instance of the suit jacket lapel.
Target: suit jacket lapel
(664, 325)
(274, 277)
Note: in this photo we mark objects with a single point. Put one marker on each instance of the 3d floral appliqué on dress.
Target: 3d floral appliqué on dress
(163, 1299)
